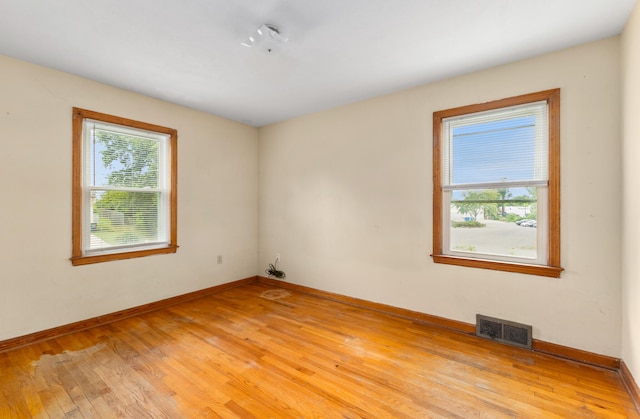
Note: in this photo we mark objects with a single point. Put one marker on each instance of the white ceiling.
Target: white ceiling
(339, 51)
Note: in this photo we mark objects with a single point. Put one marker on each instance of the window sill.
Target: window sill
(540, 270)
(87, 260)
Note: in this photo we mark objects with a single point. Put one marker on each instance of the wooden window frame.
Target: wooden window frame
(78, 258)
(552, 268)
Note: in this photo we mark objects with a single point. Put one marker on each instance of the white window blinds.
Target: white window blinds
(496, 148)
(125, 188)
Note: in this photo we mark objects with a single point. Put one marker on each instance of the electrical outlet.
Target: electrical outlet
(277, 257)
(219, 259)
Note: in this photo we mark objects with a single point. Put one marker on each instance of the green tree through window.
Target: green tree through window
(132, 163)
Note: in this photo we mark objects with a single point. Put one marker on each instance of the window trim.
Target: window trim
(77, 256)
(552, 268)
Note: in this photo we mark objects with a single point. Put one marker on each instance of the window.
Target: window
(124, 188)
(496, 171)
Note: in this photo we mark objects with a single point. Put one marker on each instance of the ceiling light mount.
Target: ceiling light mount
(265, 32)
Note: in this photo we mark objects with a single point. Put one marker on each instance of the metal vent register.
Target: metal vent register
(504, 331)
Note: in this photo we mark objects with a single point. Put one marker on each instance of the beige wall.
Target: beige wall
(217, 203)
(631, 194)
(345, 197)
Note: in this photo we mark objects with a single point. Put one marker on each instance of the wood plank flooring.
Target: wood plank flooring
(258, 351)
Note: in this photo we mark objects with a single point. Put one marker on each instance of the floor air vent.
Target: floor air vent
(504, 331)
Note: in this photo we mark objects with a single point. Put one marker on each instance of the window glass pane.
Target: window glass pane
(123, 160)
(505, 145)
(494, 151)
(501, 222)
(120, 218)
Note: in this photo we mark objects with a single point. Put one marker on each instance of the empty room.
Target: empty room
(360, 208)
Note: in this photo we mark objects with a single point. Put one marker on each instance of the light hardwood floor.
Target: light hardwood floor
(260, 351)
